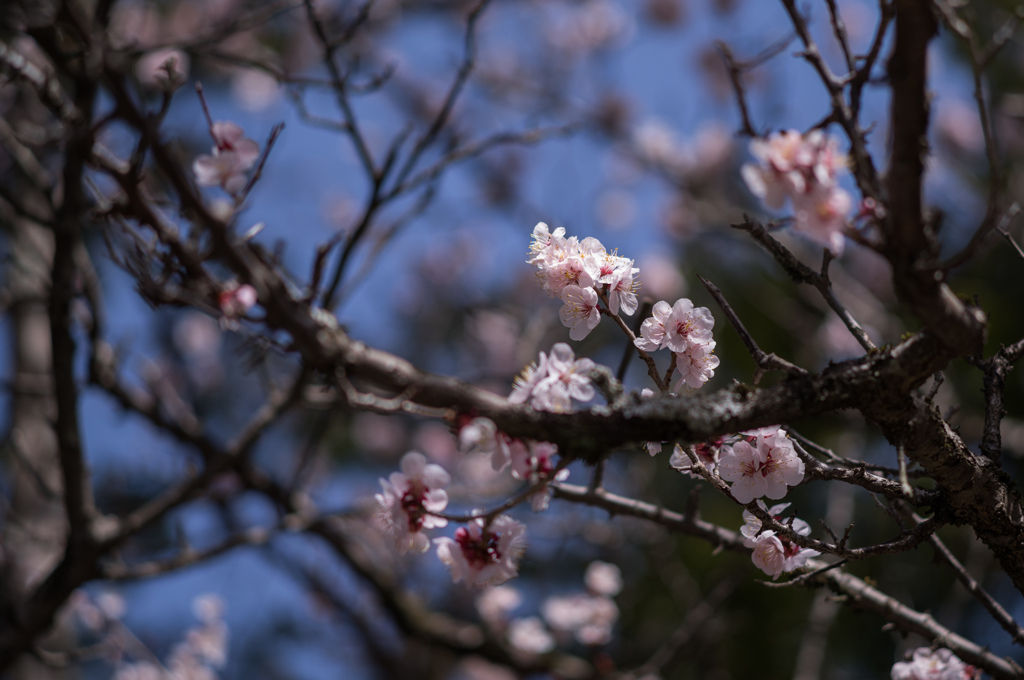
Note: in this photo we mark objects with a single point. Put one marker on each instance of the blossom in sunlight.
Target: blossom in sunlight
(622, 287)
(940, 664)
(408, 500)
(687, 326)
(526, 382)
(762, 465)
(678, 327)
(484, 554)
(232, 157)
(580, 272)
(580, 312)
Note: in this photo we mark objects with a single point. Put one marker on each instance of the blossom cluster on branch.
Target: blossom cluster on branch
(804, 169)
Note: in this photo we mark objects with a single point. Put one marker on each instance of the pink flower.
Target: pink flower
(775, 554)
(484, 556)
(496, 605)
(622, 287)
(804, 168)
(764, 470)
(752, 525)
(678, 327)
(696, 365)
(706, 452)
(555, 382)
(783, 158)
(580, 314)
(567, 378)
(940, 664)
(480, 435)
(408, 500)
(529, 635)
(536, 464)
(235, 301)
(232, 157)
(821, 214)
(588, 617)
(527, 381)
(652, 330)
(741, 464)
(603, 578)
(687, 326)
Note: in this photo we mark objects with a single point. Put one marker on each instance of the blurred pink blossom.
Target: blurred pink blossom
(484, 554)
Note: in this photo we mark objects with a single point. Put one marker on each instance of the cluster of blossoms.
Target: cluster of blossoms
(588, 617)
(759, 463)
(804, 169)
(939, 664)
(232, 157)
(196, 657)
(482, 553)
(775, 554)
(581, 273)
(686, 330)
(762, 463)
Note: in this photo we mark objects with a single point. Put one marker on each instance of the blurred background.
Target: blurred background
(622, 123)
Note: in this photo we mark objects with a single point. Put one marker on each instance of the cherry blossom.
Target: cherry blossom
(236, 300)
(409, 499)
(622, 287)
(779, 174)
(496, 604)
(233, 155)
(821, 214)
(774, 554)
(706, 452)
(688, 326)
(696, 365)
(527, 381)
(482, 554)
(603, 578)
(480, 435)
(752, 525)
(587, 617)
(805, 169)
(555, 381)
(939, 664)
(580, 314)
(678, 327)
(529, 635)
(762, 469)
(535, 463)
